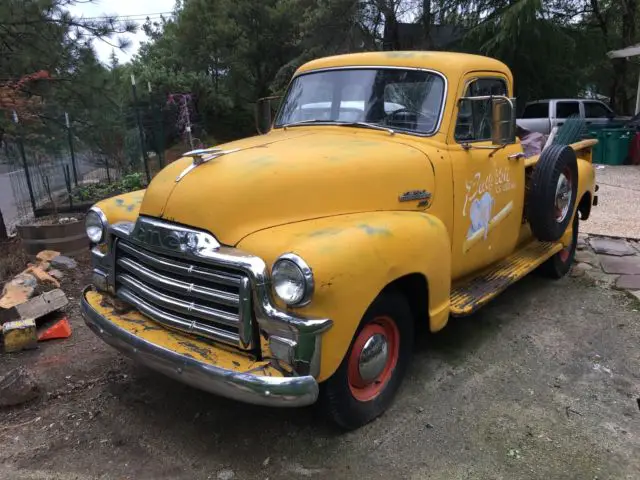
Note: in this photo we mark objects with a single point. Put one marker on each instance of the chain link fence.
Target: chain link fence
(67, 169)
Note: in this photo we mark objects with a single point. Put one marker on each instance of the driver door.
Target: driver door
(488, 181)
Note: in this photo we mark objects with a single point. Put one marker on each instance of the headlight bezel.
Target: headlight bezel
(306, 274)
(104, 225)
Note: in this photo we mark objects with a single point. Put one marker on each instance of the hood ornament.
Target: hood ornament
(203, 155)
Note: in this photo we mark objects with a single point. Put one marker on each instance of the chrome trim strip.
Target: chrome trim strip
(443, 104)
(178, 286)
(203, 155)
(175, 321)
(178, 305)
(171, 238)
(259, 390)
(188, 270)
(245, 327)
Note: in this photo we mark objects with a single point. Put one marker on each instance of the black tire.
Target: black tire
(548, 223)
(336, 394)
(560, 264)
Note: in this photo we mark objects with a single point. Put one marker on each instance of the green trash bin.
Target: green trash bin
(613, 146)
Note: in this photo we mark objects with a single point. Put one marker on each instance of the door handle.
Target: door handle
(516, 156)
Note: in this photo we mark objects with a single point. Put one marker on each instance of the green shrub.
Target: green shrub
(97, 191)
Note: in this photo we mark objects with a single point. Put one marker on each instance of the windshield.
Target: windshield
(408, 100)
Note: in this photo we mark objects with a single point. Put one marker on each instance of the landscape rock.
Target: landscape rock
(579, 269)
(600, 277)
(587, 256)
(55, 273)
(42, 276)
(628, 282)
(47, 255)
(18, 290)
(18, 386)
(582, 241)
(619, 265)
(226, 474)
(63, 262)
(636, 294)
(19, 335)
(611, 246)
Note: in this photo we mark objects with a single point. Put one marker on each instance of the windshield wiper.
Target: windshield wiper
(303, 122)
(374, 126)
(341, 124)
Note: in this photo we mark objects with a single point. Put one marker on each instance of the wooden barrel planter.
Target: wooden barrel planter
(67, 238)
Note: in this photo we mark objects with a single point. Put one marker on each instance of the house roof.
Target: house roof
(632, 51)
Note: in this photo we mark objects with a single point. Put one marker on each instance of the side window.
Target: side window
(474, 123)
(567, 109)
(596, 110)
(536, 110)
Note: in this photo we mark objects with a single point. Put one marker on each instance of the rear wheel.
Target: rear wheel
(369, 376)
(560, 264)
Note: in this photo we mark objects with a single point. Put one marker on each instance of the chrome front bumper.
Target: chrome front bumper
(260, 390)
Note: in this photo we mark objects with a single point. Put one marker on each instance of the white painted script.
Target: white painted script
(495, 183)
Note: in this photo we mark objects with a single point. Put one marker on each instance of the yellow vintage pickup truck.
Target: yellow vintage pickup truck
(295, 266)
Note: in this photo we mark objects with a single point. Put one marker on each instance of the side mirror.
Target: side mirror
(265, 110)
(503, 131)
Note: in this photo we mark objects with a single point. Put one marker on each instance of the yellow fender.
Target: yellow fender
(353, 258)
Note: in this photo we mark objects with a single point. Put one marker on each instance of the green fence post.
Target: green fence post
(24, 163)
(145, 160)
(73, 155)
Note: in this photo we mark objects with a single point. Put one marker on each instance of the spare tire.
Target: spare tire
(552, 193)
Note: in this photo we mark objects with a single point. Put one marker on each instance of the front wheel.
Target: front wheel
(560, 264)
(369, 376)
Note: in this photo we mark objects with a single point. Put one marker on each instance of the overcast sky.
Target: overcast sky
(131, 8)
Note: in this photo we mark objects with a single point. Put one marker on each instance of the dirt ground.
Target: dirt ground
(543, 383)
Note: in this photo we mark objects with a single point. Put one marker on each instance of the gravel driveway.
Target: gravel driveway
(543, 383)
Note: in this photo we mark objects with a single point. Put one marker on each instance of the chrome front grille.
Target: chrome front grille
(203, 299)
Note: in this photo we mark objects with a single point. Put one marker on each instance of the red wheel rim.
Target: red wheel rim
(362, 389)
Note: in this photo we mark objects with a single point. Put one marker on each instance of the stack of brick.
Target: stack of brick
(31, 296)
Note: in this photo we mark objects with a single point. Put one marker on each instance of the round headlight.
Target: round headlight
(96, 225)
(292, 280)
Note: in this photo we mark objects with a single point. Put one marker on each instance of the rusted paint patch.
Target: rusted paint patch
(326, 232)
(204, 352)
(374, 231)
(129, 207)
(476, 291)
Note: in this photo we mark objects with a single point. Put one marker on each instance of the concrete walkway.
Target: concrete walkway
(609, 261)
(618, 210)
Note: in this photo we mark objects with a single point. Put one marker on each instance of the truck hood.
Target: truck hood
(289, 176)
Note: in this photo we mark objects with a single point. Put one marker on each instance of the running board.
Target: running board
(473, 292)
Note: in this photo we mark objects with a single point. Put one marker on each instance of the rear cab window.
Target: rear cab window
(596, 110)
(567, 109)
(536, 110)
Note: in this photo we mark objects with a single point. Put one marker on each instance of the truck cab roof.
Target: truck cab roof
(451, 64)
